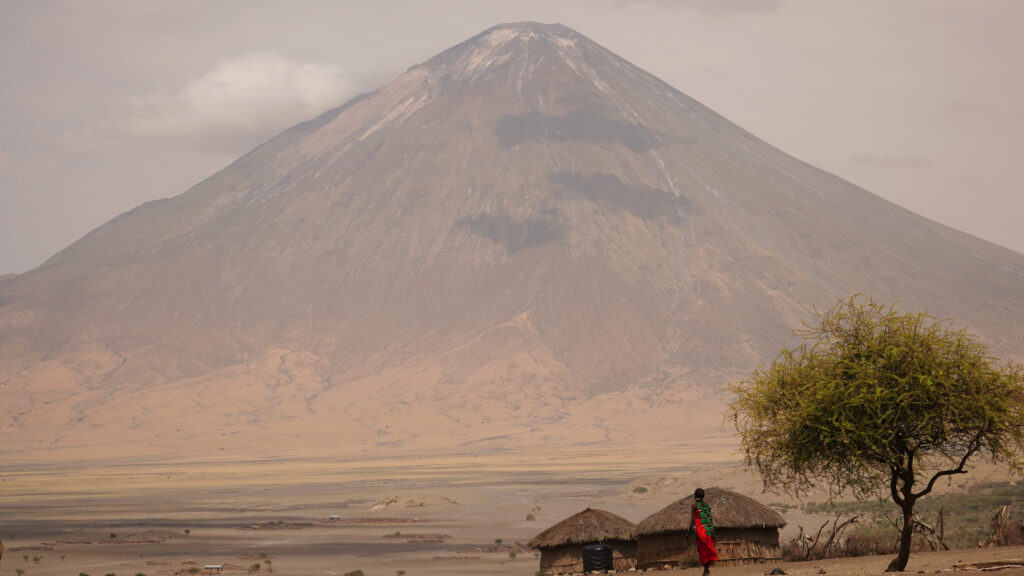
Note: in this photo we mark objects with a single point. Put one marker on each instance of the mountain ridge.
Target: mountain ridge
(522, 242)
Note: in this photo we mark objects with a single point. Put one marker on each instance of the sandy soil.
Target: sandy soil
(437, 517)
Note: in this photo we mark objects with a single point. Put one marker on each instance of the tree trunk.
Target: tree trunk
(942, 528)
(899, 563)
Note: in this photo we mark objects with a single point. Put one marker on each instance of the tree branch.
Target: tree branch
(837, 531)
(934, 539)
(908, 478)
(817, 538)
(893, 522)
(893, 487)
(975, 446)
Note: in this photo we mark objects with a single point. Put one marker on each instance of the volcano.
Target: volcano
(525, 243)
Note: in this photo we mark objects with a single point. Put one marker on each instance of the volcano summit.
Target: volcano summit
(522, 243)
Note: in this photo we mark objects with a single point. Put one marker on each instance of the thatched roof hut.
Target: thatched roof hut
(563, 546)
(746, 532)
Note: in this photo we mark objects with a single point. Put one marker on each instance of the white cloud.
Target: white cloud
(249, 95)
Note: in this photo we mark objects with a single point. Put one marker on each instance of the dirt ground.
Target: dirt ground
(460, 516)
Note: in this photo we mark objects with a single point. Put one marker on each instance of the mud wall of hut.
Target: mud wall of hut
(667, 548)
(734, 547)
(748, 546)
(568, 559)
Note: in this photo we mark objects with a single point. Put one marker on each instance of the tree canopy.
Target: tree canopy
(878, 401)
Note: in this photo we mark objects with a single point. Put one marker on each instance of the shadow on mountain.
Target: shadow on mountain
(574, 126)
(515, 234)
(609, 192)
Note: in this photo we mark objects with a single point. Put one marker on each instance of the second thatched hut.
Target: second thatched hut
(746, 532)
(587, 541)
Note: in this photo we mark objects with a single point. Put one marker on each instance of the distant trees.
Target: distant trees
(879, 401)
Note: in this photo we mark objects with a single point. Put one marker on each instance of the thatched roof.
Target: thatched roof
(590, 525)
(728, 509)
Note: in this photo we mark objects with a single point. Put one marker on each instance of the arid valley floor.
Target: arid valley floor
(408, 516)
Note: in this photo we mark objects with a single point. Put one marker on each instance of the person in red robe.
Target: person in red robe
(702, 524)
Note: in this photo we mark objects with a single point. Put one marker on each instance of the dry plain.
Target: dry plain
(413, 516)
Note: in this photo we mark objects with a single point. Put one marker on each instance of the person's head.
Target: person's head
(698, 493)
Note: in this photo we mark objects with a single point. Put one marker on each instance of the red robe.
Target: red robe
(705, 543)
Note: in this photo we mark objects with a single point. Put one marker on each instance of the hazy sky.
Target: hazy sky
(106, 104)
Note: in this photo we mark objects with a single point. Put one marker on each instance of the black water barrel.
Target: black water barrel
(597, 557)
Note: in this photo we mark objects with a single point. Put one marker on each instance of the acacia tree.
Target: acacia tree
(878, 401)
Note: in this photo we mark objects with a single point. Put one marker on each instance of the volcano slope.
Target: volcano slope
(525, 244)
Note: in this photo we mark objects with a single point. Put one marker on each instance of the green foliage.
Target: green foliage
(782, 507)
(875, 399)
(872, 390)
